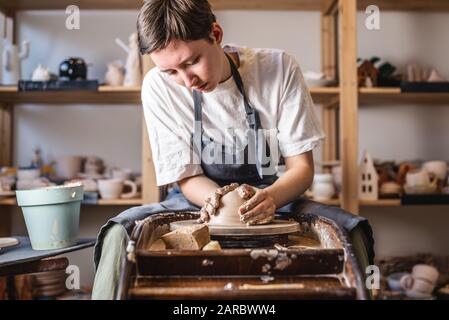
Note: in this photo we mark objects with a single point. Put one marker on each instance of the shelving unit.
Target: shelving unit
(330, 10)
(340, 104)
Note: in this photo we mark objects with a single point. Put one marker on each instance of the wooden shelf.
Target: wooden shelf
(324, 95)
(381, 203)
(111, 95)
(376, 203)
(11, 201)
(105, 94)
(381, 95)
(380, 91)
(307, 5)
(313, 5)
(8, 201)
(369, 96)
(406, 5)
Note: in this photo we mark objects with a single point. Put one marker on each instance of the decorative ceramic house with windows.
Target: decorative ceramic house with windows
(368, 179)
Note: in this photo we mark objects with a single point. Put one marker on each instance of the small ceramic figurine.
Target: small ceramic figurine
(11, 70)
(93, 166)
(133, 75)
(435, 77)
(115, 74)
(37, 160)
(41, 73)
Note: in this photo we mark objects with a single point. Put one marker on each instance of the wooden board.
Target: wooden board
(315, 5)
(349, 105)
(240, 262)
(303, 287)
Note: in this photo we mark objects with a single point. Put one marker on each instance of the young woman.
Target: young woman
(219, 118)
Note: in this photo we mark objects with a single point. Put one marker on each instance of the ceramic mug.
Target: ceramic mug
(416, 178)
(421, 281)
(438, 168)
(122, 174)
(113, 188)
(69, 166)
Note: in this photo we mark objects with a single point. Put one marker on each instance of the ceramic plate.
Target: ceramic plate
(419, 189)
(8, 242)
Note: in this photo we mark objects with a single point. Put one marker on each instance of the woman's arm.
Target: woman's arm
(198, 188)
(298, 176)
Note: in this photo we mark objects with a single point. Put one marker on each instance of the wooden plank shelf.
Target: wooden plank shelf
(406, 5)
(368, 96)
(375, 203)
(324, 95)
(11, 201)
(110, 95)
(106, 95)
(307, 5)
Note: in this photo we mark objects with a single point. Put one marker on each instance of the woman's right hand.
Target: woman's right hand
(212, 203)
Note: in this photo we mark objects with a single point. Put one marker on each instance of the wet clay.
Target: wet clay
(227, 213)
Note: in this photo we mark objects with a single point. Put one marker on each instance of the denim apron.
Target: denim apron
(223, 174)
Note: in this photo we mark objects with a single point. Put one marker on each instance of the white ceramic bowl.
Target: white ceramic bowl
(394, 281)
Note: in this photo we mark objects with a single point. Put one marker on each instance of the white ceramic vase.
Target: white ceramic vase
(323, 187)
(11, 71)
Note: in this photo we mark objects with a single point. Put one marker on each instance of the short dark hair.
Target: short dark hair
(161, 21)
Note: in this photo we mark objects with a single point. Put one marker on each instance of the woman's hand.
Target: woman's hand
(259, 207)
(212, 203)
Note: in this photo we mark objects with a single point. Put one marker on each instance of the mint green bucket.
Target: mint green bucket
(51, 215)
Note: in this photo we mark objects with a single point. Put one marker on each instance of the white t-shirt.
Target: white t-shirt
(274, 86)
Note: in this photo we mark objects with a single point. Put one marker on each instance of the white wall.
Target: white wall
(389, 132)
(111, 132)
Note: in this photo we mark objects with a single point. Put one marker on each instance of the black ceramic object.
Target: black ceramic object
(73, 69)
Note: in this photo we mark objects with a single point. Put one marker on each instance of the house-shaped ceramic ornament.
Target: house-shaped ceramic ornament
(368, 179)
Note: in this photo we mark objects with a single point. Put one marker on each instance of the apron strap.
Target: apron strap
(197, 127)
(252, 118)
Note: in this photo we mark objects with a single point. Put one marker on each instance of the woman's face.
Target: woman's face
(197, 64)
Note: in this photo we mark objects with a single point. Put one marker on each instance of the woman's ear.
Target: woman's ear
(217, 33)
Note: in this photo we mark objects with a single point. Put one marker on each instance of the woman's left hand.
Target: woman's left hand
(259, 207)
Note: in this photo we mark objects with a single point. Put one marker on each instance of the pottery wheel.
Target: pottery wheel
(277, 227)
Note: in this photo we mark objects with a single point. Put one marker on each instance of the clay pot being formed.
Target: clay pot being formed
(227, 213)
